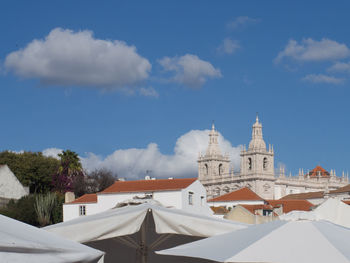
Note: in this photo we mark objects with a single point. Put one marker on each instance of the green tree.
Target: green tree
(32, 169)
(22, 210)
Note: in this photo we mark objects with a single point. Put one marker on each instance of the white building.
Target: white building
(10, 186)
(257, 171)
(185, 193)
(319, 197)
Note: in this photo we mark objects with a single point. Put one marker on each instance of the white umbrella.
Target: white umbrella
(20, 242)
(278, 242)
(120, 224)
(333, 210)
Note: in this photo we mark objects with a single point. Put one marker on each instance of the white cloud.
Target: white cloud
(320, 78)
(340, 67)
(228, 46)
(241, 21)
(312, 50)
(69, 58)
(189, 70)
(52, 152)
(134, 163)
(149, 92)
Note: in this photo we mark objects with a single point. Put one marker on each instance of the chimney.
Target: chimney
(69, 197)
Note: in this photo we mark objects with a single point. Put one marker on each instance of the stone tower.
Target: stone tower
(213, 165)
(257, 163)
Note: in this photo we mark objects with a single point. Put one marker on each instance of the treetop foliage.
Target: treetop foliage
(32, 169)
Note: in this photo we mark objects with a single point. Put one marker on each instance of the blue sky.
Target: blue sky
(108, 79)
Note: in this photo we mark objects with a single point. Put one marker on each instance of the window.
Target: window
(202, 200)
(267, 212)
(190, 198)
(220, 169)
(265, 163)
(206, 169)
(249, 163)
(82, 210)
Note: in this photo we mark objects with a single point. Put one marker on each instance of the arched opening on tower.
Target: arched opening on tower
(220, 169)
(265, 163)
(249, 163)
(206, 169)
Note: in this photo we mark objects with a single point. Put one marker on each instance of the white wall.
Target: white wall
(199, 204)
(108, 201)
(316, 201)
(10, 186)
(278, 192)
(176, 199)
(169, 198)
(71, 211)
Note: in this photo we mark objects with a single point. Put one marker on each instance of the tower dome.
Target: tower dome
(257, 142)
(213, 147)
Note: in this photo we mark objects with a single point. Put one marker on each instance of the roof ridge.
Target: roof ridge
(224, 197)
(149, 185)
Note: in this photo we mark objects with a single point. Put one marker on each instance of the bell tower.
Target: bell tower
(257, 163)
(213, 165)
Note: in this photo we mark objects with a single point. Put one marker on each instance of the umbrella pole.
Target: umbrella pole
(143, 247)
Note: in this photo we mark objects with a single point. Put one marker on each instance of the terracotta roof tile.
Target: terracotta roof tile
(242, 194)
(303, 196)
(344, 189)
(220, 210)
(318, 170)
(291, 205)
(346, 202)
(148, 185)
(87, 198)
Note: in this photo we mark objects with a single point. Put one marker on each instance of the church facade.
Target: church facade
(257, 171)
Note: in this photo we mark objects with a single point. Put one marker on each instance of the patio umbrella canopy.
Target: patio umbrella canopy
(278, 242)
(132, 233)
(20, 242)
(333, 210)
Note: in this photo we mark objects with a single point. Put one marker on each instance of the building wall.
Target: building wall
(176, 199)
(10, 186)
(240, 214)
(199, 199)
(71, 211)
(108, 201)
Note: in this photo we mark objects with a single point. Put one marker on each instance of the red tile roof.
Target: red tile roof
(318, 170)
(220, 210)
(304, 196)
(291, 205)
(346, 202)
(149, 185)
(244, 194)
(87, 198)
(344, 189)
